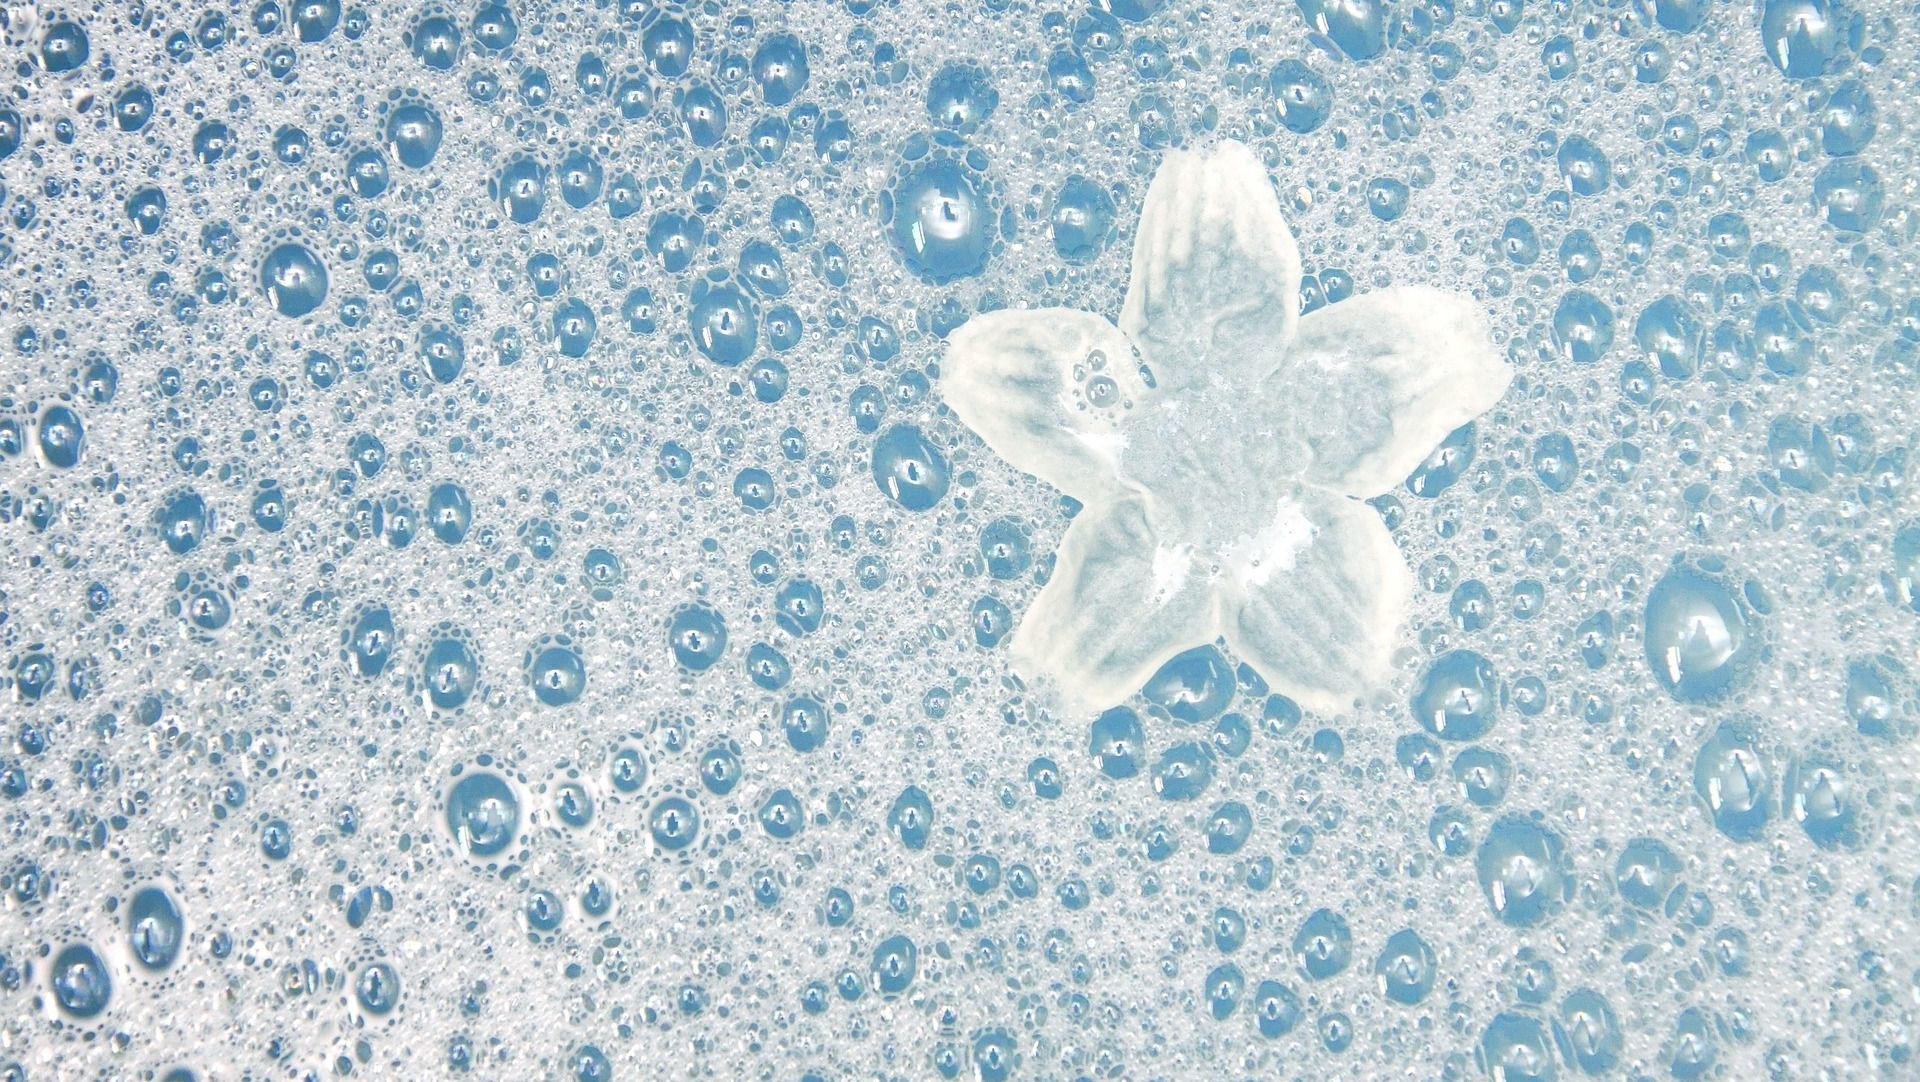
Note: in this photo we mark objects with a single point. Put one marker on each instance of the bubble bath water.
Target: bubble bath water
(518, 558)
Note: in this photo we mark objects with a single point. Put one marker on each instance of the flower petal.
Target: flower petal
(1378, 380)
(1045, 388)
(1121, 602)
(1320, 626)
(1216, 276)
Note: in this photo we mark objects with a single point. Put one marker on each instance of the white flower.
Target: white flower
(1222, 446)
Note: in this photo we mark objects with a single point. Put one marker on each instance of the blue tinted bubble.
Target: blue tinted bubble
(876, 340)
(724, 323)
(574, 326)
(637, 311)
(1227, 930)
(785, 328)
(1323, 945)
(960, 97)
(588, 1064)
(895, 962)
(413, 133)
(293, 279)
(1458, 697)
(623, 195)
(1471, 606)
(780, 69)
(1808, 38)
(557, 675)
(367, 173)
(483, 814)
(449, 512)
(668, 43)
(1828, 800)
(132, 108)
(370, 641)
(1670, 336)
(1734, 782)
(1043, 774)
(674, 823)
(596, 897)
(1583, 166)
(444, 353)
(697, 635)
(780, 814)
(910, 817)
(520, 189)
(767, 667)
(1582, 327)
(1766, 150)
(1849, 195)
(1082, 220)
(1445, 465)
(805, 720)
(1387, 198)
(269, 509)
(1848, 119)
(1482, 776)
(213, 141)
(1161, 843)
(703, 115)
(1404, 971)
(147, 210)
(792, 220)
(720, 769)
(1069, 76)
(1277, 1009)
(572, 804)
(1302, 98)
(1555, 462)
(544, 911)
(62, 437)
(314, 20)
(673, 239)
(992, 621)
(155, 929)
(80, 981)
(435, 42)
(799, 607)
(762, 270)
(1695, 1046)
(185, 522)
(1183, 772)
(909, 469)
(1192, 686)
(1117, 743)
(837, 909)
(627, 769)
(494, 27)
(1645, 872)
(1223, 987)
(1515, 1048)
(940, 221)
(378, 989)
(1520, 865)
(64, 47)
(1588, 1032)
(1232, 735)
(1698, 640)
(1229, 828)
(450, 672)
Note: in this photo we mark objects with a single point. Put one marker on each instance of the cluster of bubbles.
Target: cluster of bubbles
(490, 587)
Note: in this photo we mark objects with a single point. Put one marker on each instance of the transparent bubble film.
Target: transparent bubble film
(889, 540)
